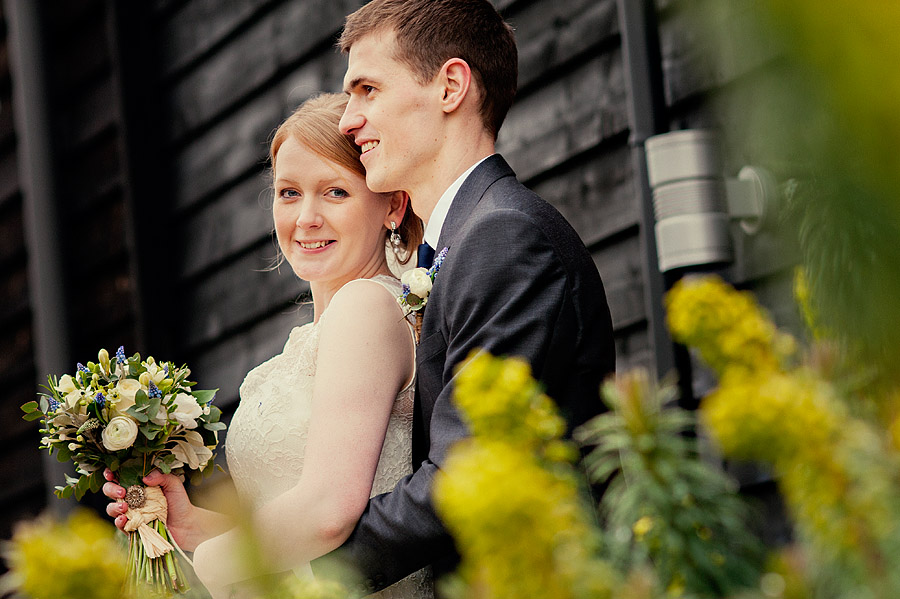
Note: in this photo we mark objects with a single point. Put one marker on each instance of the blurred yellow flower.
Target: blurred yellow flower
(726, 326)
(642, 527)
(518, 526)
(76, 559)
(499, 399)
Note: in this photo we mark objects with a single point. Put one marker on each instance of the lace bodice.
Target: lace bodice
(267, 437)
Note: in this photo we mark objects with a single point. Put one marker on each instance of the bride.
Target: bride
(327, 423)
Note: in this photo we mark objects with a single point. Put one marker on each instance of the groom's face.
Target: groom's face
(391, 116)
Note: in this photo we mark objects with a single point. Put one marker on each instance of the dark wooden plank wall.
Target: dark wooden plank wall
(92, 186)
(22, 493)
(92, 176)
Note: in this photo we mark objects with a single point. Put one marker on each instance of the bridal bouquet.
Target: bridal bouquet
(131, 416)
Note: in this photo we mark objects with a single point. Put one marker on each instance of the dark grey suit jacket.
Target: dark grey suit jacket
(516, 281)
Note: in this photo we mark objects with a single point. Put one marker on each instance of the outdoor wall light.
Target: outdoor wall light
(693, 202)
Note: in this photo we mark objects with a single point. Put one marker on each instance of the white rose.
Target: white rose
(187, 410)
(127, 389)
(418, 281)
(120, 433)
(66, 384)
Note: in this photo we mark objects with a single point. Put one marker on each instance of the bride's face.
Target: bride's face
(329, 226)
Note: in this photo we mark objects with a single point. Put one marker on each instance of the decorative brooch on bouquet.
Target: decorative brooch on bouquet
(417, 284)
(131, 416)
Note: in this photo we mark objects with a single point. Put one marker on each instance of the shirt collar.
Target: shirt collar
(439, 213)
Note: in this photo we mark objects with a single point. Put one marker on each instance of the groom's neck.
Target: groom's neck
(456, 155)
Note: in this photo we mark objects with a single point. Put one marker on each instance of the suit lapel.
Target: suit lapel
(470, 193)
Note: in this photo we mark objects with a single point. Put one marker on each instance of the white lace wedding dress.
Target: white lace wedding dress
(267, 437)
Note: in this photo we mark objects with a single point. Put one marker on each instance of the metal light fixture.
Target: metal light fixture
(693, 202)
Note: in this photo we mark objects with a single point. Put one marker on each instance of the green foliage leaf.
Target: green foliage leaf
(153, 405)
(137, 414)
(96, 481)
(141, 399)
(130, 473)
(215, 414)
(150, 431)
(82, 487)
(204, 396)
(63, 452)
(30, 407)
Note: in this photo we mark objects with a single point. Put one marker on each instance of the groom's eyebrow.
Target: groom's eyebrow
(355, 83)
(352, 85)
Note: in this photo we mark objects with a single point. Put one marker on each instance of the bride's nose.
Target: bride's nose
(309, 216)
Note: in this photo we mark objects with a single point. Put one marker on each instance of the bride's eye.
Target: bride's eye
(288, 194)
(337, 192)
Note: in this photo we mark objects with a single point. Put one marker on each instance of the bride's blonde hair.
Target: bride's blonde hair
(315, 125)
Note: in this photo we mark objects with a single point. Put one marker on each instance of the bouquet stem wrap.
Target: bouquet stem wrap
(149, 505)
(152, 561)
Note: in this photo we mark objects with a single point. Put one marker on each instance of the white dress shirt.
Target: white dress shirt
(439, 214)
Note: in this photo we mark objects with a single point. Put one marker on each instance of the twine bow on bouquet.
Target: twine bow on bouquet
(131, 416)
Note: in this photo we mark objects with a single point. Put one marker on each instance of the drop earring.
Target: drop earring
(395, 239)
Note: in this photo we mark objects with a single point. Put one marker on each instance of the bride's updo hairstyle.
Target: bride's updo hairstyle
(315, 125)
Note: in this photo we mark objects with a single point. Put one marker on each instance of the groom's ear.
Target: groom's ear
(456, 79)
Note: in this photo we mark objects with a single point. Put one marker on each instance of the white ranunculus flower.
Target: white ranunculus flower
(187, 410)
(66, 384)
(127, 389)
(120, 433)
(418, 280)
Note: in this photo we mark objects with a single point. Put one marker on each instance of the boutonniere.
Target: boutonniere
(417, 284)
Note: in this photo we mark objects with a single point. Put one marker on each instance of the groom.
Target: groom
(429, 84)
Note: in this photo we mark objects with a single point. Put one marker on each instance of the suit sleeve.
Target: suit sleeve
(502, 289)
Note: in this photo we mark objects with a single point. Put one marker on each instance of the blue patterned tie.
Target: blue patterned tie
(426, 256)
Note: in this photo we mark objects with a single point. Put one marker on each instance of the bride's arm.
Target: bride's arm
(365, 356)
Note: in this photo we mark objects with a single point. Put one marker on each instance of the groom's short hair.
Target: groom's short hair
(430, 32)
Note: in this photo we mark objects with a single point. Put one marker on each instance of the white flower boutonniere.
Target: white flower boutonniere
(417, 284)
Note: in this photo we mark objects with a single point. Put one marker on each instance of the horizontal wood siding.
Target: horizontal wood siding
(21, 494)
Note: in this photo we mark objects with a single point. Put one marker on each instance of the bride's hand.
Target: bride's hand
(181, 519)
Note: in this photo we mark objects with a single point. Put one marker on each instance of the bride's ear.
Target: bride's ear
(399, 202)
